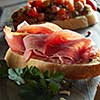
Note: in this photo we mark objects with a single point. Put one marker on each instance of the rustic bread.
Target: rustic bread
(78, 22)
(71, 71)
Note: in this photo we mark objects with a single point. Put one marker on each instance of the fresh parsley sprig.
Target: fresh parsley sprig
(33, 84)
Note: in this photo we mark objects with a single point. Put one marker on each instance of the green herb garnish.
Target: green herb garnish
(32, 82)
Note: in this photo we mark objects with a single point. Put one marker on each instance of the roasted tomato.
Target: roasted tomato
(92, 3)
(83, 1)
(37, 3)
(70, 4)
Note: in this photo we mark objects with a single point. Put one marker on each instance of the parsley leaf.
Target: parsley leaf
(32, 82)
(38, 85)
(15, 74)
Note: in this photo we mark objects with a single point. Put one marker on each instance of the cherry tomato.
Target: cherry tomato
(92, 3)
(60, 1)
(62, 11)
(32, 12)
(37, 3)
(70, 4)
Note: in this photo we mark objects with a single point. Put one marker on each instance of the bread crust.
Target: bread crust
(73, 23)
(75, 71)
(78, 22)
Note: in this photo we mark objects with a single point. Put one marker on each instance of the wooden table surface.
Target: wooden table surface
(81, 90)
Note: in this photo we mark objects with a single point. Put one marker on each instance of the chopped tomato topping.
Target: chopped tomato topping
(32, 12)
(60, 1)
(83, 1)
(37, 3)
(70, 4)
(92, 4)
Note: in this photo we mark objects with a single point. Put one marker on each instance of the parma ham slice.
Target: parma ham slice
(60, 47)
(15, 39)
(51, 44)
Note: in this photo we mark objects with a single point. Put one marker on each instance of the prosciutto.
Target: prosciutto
(48, 42)
(63, 47)
(35, 43)
(15, 39)
(46, 28)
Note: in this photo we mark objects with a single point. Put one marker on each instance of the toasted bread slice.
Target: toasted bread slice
(78, 22)
(71, 71)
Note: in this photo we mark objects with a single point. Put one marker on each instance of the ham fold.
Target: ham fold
(60, 47)
(48, 42)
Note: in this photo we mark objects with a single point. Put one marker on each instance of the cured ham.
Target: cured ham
(35, 42)
(15, 39)
(60, 47)
(52, 45)
(46, 28)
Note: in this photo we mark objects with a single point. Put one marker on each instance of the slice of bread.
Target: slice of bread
(82, 20)
(78, 22)
(71, 71)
